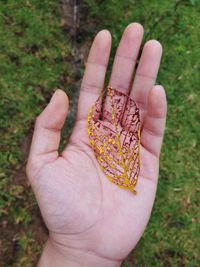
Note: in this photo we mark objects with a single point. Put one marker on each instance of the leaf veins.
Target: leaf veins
(114, 135)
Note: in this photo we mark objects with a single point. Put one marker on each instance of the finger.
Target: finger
(146, 74)
(94, 76)
(126, 56)
(154, 123)
(46, 136)
(124, 64)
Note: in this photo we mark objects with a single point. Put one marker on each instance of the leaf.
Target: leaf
(114, 135)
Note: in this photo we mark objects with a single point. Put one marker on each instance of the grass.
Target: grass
(33, 59)
(33, 55)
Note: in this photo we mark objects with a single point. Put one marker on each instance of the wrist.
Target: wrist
(59, 256)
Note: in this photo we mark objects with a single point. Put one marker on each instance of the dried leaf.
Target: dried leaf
(114, 135)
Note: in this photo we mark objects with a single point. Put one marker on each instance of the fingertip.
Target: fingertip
(100, 50)
(154, 45)
(159, 91)
(105, 33)
(56, 111)
(137, 27)
(128, 48)
(157, 101)
(60, 97)
(132, 34)
(103, 39)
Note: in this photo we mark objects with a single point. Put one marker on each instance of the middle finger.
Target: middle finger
(123, 66)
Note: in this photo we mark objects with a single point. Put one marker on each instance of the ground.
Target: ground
(40, 50)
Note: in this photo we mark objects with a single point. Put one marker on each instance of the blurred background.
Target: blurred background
(43, 46)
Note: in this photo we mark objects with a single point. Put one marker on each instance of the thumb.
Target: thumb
(46, 136)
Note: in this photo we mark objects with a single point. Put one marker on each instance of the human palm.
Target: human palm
(82, 209)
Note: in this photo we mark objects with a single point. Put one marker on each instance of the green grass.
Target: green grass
(172, 237)
(33, 59)
(33, 55)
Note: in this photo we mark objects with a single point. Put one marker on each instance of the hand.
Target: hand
(91, 221)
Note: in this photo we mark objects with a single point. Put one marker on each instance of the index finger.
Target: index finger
(94, 76)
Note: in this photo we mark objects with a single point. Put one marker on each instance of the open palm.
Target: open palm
(82, 209)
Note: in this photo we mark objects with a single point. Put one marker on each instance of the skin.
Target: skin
(91, 221)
